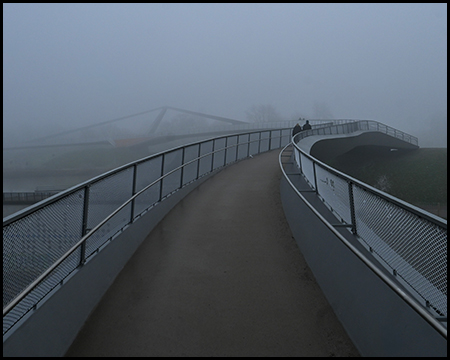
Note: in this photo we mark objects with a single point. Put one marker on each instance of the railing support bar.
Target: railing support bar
(352, 207)
(84, 224)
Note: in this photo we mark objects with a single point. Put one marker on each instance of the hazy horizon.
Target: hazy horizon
(71, 65)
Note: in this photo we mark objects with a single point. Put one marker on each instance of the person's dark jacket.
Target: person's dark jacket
(297, 128)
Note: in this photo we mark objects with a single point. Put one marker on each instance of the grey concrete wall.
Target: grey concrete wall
(51, 329)
(377, 320)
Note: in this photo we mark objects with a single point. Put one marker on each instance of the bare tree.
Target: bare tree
(263, 113)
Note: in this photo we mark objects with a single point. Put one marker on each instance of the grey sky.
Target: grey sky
(70, 65)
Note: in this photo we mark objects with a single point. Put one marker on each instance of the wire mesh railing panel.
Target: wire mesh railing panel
(147, 199)
(190, 170)
(33, 243)
(171, 182)
(286, 136)
(146, 173)
(219, 155)
(108, 194)
(205, 163)
(254, 144)
(49, 283)
(413, 248)
(307, 166)
(335, 192)
(231, 149)
(242, 148)
(105, 196)
(275, 139)
(265, 141)
(108, 230)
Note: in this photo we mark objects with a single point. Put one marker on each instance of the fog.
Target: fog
(71, 65)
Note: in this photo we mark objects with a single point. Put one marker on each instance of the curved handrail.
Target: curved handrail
(133, 165)
(403, 204)
(406, 297)
(355, 125)
(94, 230)
(241, 140)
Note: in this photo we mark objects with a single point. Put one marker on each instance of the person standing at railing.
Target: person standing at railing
(297, 128)
(307, 126)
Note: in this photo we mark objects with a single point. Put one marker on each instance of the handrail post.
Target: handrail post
(352, 206)
(84, 229)
(212, 155)
(226, 151)
(198, 160)
(163, 156)
(259, 142)
(182, 169)
(133, 191)
(315, 178)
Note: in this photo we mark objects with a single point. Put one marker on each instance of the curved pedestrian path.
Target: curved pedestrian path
(221, 275)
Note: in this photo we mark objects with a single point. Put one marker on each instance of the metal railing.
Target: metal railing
(350, 126)
(410, 242)
(26, 197)
(44, 244)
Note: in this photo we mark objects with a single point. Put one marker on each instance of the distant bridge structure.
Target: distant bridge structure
(140, 127)
(155, 126)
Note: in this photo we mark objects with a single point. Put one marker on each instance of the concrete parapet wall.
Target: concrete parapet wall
(377, 320)
(53, 326)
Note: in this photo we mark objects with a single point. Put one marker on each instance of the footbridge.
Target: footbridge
(238, 245)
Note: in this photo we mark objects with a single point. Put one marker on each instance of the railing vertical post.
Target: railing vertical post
(226, 151)
(84, 224)
(182, 169)
(212, 155)
(133, 191)
(281, 134)
(352, 207)
(315, 177)
(162, 173)
(237, 147)
(259, 143)
(248, 145)
(198, 161)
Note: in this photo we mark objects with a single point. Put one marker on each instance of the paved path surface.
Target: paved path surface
(221, 275)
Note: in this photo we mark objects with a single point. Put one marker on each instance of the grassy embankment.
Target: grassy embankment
(418, 176)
